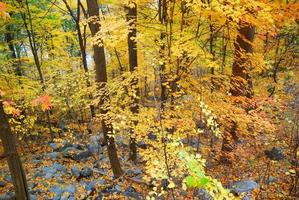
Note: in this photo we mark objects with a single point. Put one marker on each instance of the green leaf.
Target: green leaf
(203, 181)
(191, 181)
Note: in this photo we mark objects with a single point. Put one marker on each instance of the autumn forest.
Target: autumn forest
(149, 99)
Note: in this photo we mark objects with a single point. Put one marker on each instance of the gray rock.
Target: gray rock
(94, 145)
(33, 197)
(49, 170)
(70, 189)
(59, 167)
(57, 190)
(164, 183)
(152, 136)
(202, 194)
(38, 174)
(53, 155)
(90, 186)
(53, 171)
(191, 141)
(271, 180)
(49, 176)
(131, 192)
(118, 188)
(134, 172)
(76, 154)
(75, 171)
(86, 172)
(247, 196)
(2, 184)
(8, 196)
(36, 161)
(82, 155)
(8, 178)
(243, 186)
(69, 152)
(53, 146)
(142, 145)
(275, 153)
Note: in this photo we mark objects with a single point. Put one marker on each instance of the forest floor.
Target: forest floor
(66, 169)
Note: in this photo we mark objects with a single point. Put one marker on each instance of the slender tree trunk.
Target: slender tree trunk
(132, 47)
(9, 37)
(34, 49)
(242, 64)
(82, 43)
(163, 81)
(14, 162)
(101, 79)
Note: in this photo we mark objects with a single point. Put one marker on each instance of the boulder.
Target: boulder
(275, 153)
(69, 152)
(86, 172)
(33, 197)
(8, 196)
(142, 145)
(243, 186)
(70, 189)
(63, 192)
(202, 194)
(57, 190)
(94, 145)
(134, 172)
(36, 161)
(53, 155)
(76, 154)
(2, 184)
(165, 183)
(246, 196)
(75, 171)
(38, 174)
(132, 193)
(271, 180)
(59, 167)
(82, 155)
(118, 188)
(152, 136)
(54, 146)
(91, 185)
(8, 178)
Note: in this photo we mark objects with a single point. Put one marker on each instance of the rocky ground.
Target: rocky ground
(68, 170)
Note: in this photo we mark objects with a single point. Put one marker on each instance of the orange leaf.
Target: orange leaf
(44, 101)
(3, 7)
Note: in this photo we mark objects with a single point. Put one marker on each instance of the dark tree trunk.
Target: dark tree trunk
(132, 47)
(241, 80)
(82, 43)
(163, 81)
(101, 79)
(27, 20)
(9, 37)
(14, 162)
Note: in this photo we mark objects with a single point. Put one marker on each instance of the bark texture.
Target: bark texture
(14, 162)
(101, 79)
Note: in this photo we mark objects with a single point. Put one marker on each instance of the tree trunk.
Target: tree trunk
(82, 44)
(101, 79)
(163, 81)
(34, 49)
(14, 162)
(9, 37)
(241, 80)
(132, 47)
